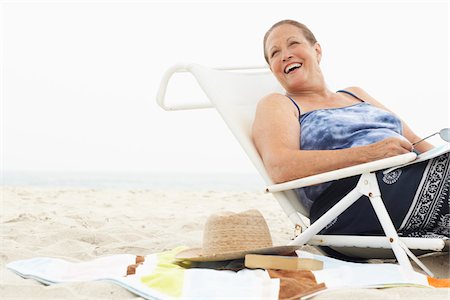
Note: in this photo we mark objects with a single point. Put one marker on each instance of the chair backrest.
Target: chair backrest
(235, 96)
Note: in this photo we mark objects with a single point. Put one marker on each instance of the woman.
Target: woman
(311, 130)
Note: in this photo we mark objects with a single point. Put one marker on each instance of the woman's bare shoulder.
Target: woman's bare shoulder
(361, 93)
(276, 105)
(270, 98)
(358, 91)
(274, 101)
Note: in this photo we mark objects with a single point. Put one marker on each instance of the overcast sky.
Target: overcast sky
(79, 80)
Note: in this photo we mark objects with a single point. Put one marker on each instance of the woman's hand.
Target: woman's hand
(387, 148)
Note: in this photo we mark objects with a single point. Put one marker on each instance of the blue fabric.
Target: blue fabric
(340, 128)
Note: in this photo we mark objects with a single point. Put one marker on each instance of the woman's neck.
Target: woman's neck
(318, 93)
(315, 90)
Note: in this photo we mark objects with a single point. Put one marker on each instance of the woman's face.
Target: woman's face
(292, 59)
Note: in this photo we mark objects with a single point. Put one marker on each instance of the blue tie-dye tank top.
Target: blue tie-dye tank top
(339, 128)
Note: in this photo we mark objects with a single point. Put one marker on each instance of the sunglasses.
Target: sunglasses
(444, 134)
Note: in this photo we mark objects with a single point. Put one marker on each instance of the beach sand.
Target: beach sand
(82, 224)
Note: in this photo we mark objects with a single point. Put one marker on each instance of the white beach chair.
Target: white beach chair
(235, 92)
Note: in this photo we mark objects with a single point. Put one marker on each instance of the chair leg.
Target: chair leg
(416, 260)
(368, 185)
(326, 218)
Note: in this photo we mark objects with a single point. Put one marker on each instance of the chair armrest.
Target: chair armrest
(343, 173)
(439, 150)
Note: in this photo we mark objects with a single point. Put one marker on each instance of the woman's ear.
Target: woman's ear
(318, 50)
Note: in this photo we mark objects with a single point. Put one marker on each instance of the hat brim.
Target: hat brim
(195, 254)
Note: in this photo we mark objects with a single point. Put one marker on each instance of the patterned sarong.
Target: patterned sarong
(416, 197)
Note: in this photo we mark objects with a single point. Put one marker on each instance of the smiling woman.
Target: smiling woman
(309, 36)
(311, 130)
(282, 40)
(78, 87)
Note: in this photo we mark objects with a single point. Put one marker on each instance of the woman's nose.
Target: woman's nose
(287, 57)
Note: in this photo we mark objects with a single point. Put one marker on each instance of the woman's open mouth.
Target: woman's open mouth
(292, 67)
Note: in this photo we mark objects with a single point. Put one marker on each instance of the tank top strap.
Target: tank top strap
(350, 93)
(296, 105)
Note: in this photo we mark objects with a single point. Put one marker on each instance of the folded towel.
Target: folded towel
(157, 277)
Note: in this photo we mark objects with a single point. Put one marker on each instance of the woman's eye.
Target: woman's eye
(293, 43)
(273, 53)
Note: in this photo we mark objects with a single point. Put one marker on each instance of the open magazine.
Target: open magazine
(436, 151)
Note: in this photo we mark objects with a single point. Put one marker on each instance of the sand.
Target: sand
(82, 224)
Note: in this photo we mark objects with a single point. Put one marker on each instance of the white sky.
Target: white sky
(79, 79)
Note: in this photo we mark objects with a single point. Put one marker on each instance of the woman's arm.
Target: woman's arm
(407, 132)
(276, 134)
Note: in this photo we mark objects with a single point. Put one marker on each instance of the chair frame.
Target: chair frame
(367, 185)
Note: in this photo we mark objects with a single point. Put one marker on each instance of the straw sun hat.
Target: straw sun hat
(229, 236)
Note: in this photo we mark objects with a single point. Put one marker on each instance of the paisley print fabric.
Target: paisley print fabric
(417, 202)
(428, 215)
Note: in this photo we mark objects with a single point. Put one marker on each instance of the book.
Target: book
(258, 261)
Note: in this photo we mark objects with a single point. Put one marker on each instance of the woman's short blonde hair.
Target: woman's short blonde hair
(305, 30)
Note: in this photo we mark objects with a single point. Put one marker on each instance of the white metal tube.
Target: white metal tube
(326, 218)
(390, 231)
(368, 185)
(242, 68)
(183, 68)
(161, 95)
(343, 173)
(436, 151)
(415, 259)
(433, 244)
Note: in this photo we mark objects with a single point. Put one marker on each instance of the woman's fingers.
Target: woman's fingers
(406, 145)
(396, 146)
(387, 148)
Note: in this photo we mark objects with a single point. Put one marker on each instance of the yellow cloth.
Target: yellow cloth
(168, 278)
